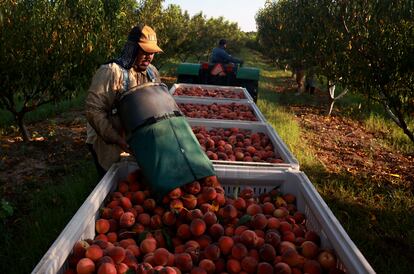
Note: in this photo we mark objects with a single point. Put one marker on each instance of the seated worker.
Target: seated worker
(130, 110)
(219, 54)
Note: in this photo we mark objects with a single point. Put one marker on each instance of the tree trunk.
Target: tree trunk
(398, 118)
(22, 127)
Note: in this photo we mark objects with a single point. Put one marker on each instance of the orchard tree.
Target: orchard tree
(366, 46)
(49, 49)
(379, 49)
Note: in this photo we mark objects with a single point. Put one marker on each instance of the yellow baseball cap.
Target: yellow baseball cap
(148, 40)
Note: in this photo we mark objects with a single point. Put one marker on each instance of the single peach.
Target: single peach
(161, 256)
(309, 249)
(212, 252)
(184, 231)
(148, 245)
(267, 253)
(210, 218)
(102, 226)
(282, 268)
(233, 266)
(107, 268)
(239, 251)
(208, 265)
(312, 267)
(327, 259)
(249, 238)
(169, 218)
(85, 266)
(197, 227)
(216, 231)
(183, 261)
(249, 264)
(79, 248)
(226, 244)
(94, 252)
(292, 258)
(127, 219)
(264, 268)
(253, 209)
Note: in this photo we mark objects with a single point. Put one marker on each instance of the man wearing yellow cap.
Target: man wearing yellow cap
(131, 110)
(105, 136)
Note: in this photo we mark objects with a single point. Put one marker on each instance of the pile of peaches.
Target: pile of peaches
(198, 229)
(209, 92)
(231, 111)
(236, 144)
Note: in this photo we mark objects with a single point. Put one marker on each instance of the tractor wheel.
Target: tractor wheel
(252, 87)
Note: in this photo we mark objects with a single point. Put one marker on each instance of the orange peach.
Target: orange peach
(148, 245)
(102, 226)
(107, 268)
(208, 265)
(94, 252)
(226, 244)
(233, 266)
(327, 259)
(85, 266)
(127, 219)
(161, 256)
(309, 249)
(197, 227)
(183, 261)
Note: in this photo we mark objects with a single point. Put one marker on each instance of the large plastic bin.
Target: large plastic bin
(319, 216)
(209, 101)
(280, 148)
(245, 96)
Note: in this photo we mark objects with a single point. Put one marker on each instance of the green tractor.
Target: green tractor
(221, 75)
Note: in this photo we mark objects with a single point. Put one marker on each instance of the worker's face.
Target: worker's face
(143, 60)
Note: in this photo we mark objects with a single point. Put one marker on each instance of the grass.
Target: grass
(393, 137)
(48, 211)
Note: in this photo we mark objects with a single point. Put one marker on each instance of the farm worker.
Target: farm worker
(310, 82)
(105, 136)
(219, 54)
(300, 78)
(131, 110)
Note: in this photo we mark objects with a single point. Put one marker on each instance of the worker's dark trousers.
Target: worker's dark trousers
(99, 169)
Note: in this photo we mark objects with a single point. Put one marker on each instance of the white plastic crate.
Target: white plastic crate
(280, 148)
(209, 101)
(319, 216)
(236, 90)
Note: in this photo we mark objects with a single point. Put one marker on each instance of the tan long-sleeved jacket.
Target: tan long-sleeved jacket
(106, 85)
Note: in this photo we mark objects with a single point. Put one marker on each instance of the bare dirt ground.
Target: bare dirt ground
(341, 144)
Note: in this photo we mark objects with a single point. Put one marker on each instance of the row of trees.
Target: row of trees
(50, 49)
(363, 45)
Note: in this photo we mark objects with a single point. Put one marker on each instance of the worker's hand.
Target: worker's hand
(124, 145)
(241, 63)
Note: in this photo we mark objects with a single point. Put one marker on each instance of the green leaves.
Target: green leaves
(363, 45)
